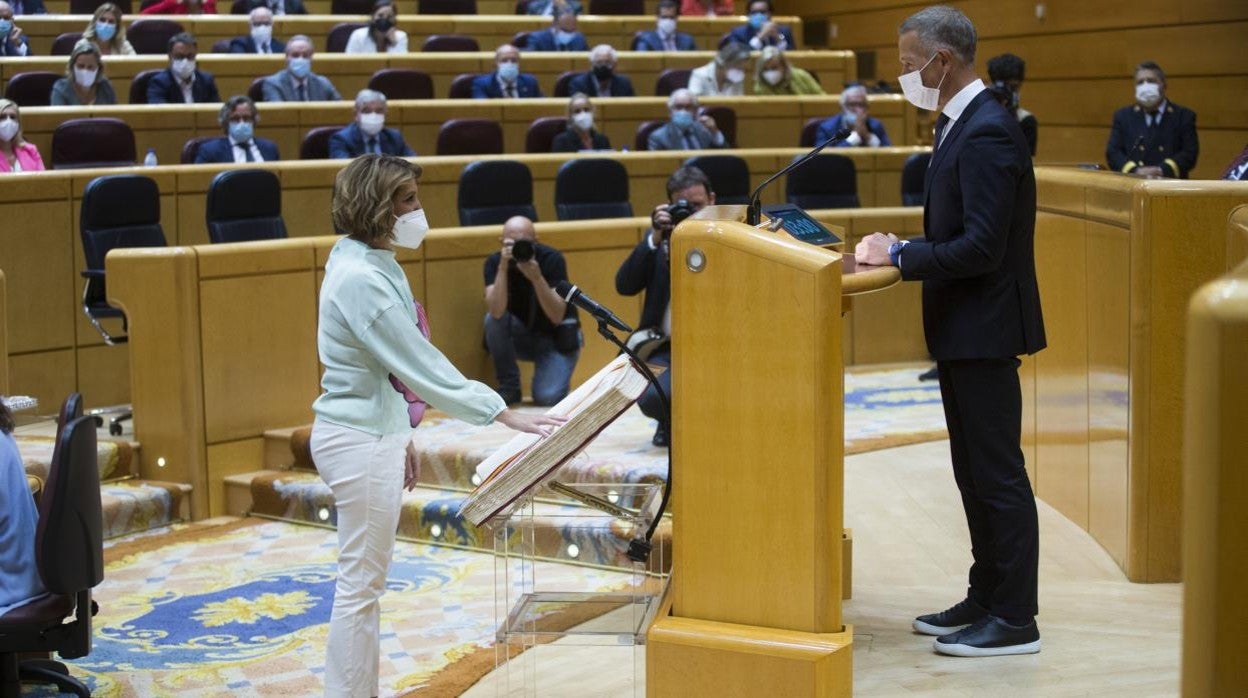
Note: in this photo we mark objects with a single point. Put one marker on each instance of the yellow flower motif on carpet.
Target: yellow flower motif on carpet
(250, 611)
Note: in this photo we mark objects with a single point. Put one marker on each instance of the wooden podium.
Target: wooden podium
(758, 441)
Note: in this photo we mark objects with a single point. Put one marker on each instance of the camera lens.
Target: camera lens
(522, 250)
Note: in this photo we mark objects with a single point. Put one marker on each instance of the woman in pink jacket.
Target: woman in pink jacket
(16, 155)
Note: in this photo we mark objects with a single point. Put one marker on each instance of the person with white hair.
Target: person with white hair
(368, 132)
(297, 82)
(867, 132)
(602, 80)
(725, 75)
(774, 75)
(686, 130)
(259, 38)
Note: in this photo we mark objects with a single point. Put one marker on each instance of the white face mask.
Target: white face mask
(372, 124)
(583, 120)
(1148, 94)
(917, 93)
(262, 34)
(773, 77)
(184, 67)
(8, 129)
(735, 75)
(410, 229)
(85, 77)
(667, 26)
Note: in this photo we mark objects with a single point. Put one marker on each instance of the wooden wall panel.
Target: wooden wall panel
(47, 376)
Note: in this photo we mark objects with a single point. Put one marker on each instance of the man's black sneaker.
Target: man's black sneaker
(930, 374)
(991, 637)
(962, 614)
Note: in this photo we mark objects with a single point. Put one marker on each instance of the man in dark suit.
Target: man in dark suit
(238, 119)
(665, 37)
(12, 38)
(562, 35)
(182, 82)
(28, 7)
(647, 269)
(297, 83)
(867, 132)
(260, 40)
(1153, 136)
(507, 80)
(981, 309)
(602, 80)
(686, 130)
(283, 7)
(368, 133)
(549, 7)
(761, 31)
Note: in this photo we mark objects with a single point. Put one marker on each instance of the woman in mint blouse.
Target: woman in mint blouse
(19, 573)
(380, 370)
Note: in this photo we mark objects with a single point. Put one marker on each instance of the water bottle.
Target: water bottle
(150, 160)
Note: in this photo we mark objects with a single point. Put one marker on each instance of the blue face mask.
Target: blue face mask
(105, 31)
(300, 67)
(508, 71)
(683, 119)
(850, 118)
(564, 38)
(6, 27)
(757, 20)
(240, 131)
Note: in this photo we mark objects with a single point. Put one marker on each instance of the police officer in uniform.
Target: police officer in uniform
(1154, 136)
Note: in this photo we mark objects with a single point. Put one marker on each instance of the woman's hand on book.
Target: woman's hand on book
(541, 424)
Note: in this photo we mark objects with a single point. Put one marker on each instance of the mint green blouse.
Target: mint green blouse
(368, 330)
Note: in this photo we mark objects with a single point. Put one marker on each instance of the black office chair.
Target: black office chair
(69, 548)
(491, 191)
(245, 205)
(913, 179)
(826, 181)
(592, 188)
(729, 175)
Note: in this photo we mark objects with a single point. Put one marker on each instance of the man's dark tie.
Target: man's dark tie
(690, 142)
(942, 122)
(372, 145)
(511, 90)
(246, 151)
(303, 92)
(1238, 163)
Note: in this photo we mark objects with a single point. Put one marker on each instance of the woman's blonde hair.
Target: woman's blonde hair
(84, 46)
(577, 98)
(364, 193)
(108, 8)
(769, 54)
(17, 137)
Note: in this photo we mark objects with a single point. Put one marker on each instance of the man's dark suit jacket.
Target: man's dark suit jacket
(745, 32)
(349, 142)
(1171, 145)
(651, 41)
(646, 270)
(544, 40)
(30, 7)
(246, 44)
(621, 86)
(220, 150)
(976, 260)
(163, 88)
(486, 86)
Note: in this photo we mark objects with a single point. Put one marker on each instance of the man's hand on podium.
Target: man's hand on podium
(873, 249)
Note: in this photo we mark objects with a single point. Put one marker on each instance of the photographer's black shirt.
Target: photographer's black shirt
(521, 298)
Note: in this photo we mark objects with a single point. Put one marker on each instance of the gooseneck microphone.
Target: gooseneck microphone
(572, 294)
(755, 212)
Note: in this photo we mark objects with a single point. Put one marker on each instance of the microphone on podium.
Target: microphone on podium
(755, 212)
(572, 294)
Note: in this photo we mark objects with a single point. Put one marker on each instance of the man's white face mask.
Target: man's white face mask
(916, 92)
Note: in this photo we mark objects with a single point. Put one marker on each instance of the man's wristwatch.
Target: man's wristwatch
(894, 253)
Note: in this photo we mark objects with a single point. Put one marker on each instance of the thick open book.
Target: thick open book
(528, 459)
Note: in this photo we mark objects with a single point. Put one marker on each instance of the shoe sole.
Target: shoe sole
(936, 630)
(955, 650)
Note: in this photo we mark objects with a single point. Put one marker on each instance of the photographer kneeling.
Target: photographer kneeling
(527, 320)
(646, 269)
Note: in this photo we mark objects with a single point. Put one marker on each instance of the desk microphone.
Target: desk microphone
(755, 212)
(572, 294)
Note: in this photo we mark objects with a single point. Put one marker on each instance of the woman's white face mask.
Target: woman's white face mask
(410, 229)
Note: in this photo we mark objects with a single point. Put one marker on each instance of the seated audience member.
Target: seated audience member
(238, 117)
(707, 8)
(647, 269)
(1006, 74)
(549, 7)
(19, 567)
(12, 39)
(761, 31)
(297, 83)
(526, 319)
(580, 134)
(16, 155)
(602, 80)
(1237, 171)
(260, 39)
(181, 7)
(84, 83)
(725, 75)
(773, 75)
(182, 82)
(28, 7)
(686, 131)
(282, 7)
(105, 31)
(507, 80)
(368, 133)
(867, 132)
(562, 35)
(381, 35)
(664, 36)
(1154, 136)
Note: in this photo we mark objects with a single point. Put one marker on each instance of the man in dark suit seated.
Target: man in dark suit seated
(647, 269)
(282, 7)
(297, 83)
(182, 82)
(601, 80)
(238, 119)
(28, 7)
(562, 35)
(549, 7)
(12, 39)
(761, 31)
(368, 133)
(981, 310)
(665, 37)
(260, 40)
(1154, 136)
(507, 80)
(867, 132)
(686, 130)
